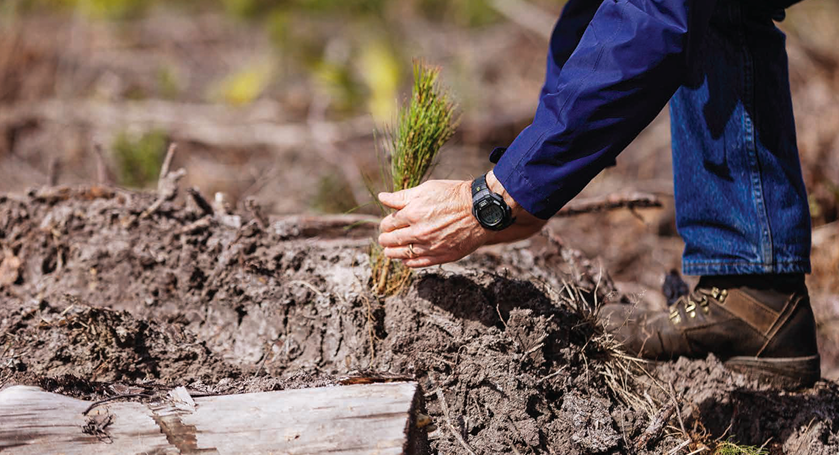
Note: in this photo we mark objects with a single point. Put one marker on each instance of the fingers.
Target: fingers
(414, 256)
(410, 251)
(399, 237)
(397, 200)
(393, 222)
(425, 261)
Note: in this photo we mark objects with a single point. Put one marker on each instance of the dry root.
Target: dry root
(387, 277)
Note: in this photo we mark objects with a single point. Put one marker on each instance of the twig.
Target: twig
(167, 183)
(256, 211)
(196, 226)
(103, 174)
(630, 201)
(498, 311)
(54, 172)
(451, 427)
(534, 349)
(765, 444)
(167, 163)
(116, 397)
(308, 285)
(657, 424)
(678, 411)
(679, 447)
(200, 201)
(558, 371)
(262, 362)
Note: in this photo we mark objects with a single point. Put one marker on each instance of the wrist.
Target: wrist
(496, 187)
(465, 191)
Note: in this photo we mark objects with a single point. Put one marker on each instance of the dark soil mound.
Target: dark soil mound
(97, 300)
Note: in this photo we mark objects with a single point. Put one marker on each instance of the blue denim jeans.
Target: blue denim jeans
(741, 205)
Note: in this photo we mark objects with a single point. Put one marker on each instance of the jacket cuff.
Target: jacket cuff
(525, 193)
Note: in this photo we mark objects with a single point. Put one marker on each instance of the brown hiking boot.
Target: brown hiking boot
(752, 326)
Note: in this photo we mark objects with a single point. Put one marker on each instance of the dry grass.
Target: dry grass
(618, 370)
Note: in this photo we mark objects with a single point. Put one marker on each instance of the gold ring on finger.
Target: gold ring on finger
(411, 253)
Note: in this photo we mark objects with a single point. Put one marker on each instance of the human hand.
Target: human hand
(433, 223)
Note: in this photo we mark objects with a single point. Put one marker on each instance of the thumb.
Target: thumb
(397, 200)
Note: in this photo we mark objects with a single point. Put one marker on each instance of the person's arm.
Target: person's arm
(630, 60)
(566, 35)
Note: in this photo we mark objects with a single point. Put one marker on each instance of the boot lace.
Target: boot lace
(698, 299)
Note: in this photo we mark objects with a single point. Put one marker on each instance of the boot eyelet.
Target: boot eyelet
(690, 307)
(675, 318)
(692, 314)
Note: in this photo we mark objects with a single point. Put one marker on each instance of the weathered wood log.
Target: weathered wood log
(356, 419)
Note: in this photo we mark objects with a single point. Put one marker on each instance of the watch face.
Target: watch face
(492, 214)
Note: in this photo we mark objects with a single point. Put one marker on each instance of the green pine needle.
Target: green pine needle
(426, 123)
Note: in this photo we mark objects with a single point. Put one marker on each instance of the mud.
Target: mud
(97, 300)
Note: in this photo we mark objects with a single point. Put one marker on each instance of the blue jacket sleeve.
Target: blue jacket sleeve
(566, 35)
(630, 60)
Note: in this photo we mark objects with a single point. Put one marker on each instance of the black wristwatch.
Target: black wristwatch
(489, 208)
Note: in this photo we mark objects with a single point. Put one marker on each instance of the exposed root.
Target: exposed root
(387, 277)
(371, 329)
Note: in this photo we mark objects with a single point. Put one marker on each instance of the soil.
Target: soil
(98, 300)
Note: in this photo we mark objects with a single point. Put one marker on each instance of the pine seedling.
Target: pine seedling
(422, 127)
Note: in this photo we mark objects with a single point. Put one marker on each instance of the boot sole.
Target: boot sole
(788, 373)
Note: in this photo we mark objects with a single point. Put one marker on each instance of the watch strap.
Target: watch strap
(478, 185)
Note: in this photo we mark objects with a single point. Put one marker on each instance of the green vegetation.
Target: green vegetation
(426, 123)
(138, 159)
(730, 448)
(423, 127)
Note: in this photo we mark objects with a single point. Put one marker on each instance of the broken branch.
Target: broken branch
(610, 202)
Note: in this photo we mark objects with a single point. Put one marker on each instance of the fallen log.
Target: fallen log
(214, 125)
(369, 418)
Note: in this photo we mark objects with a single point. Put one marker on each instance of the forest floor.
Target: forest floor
(100, 297)
(98, 300)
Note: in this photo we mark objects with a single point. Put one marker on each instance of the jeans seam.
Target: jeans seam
(765, 234)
